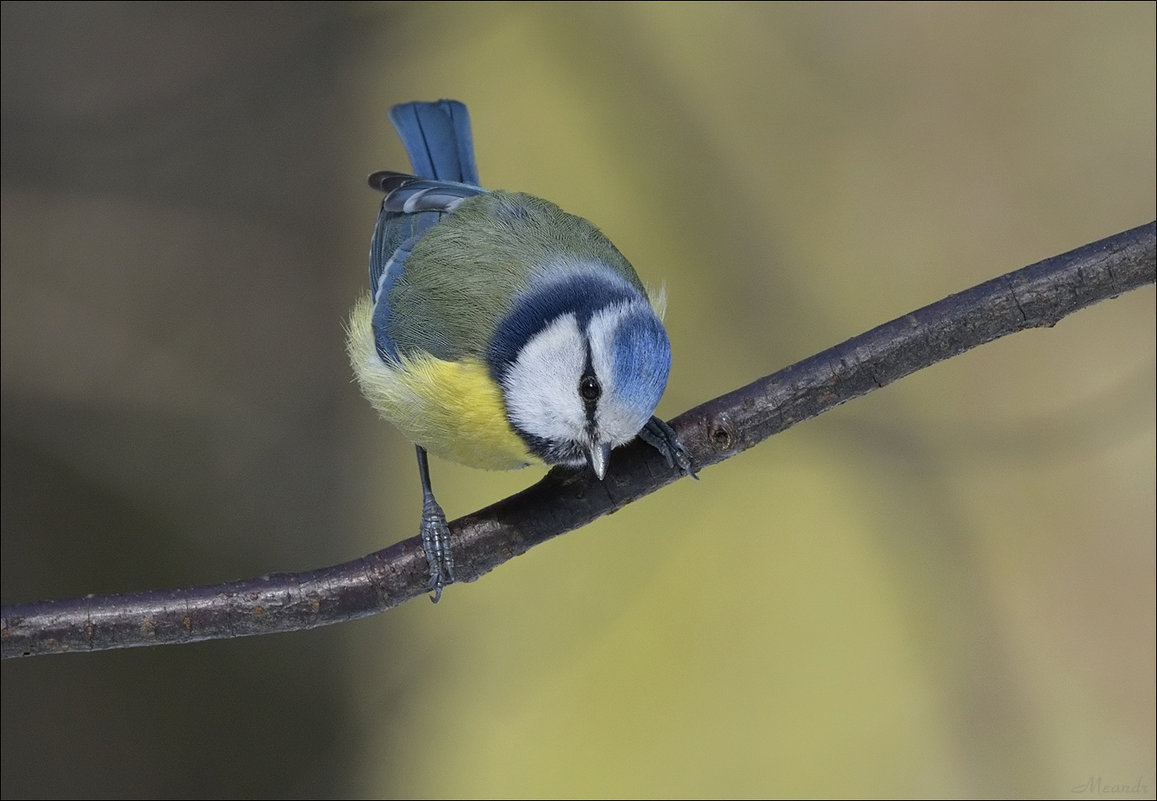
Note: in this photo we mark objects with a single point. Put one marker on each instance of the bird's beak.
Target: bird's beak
(598, 456)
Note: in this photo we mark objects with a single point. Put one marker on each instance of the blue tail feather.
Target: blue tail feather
(438, 139)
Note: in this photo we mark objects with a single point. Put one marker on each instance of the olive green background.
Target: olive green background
(945, 588)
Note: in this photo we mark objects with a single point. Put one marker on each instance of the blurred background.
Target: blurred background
(945, 588)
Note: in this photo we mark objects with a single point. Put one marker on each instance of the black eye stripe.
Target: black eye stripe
(590, 389)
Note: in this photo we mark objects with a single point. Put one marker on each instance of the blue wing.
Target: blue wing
(438, 139)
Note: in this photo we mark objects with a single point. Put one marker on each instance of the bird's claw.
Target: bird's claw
(663, 438)
(436, 543)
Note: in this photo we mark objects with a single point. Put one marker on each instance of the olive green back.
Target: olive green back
(449, 307)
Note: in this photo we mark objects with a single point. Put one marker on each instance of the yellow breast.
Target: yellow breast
(452, 409)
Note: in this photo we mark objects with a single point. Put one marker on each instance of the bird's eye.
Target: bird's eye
(589, 388)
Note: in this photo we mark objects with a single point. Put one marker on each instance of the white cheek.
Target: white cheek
(542, 386)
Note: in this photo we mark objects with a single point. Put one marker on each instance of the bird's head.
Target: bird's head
(582, 360)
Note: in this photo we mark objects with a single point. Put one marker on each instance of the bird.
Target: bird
(498, 330)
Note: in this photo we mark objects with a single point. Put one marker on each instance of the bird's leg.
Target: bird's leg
(435, 533)
(663, 438)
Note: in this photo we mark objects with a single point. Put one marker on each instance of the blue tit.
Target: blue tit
(499, 330)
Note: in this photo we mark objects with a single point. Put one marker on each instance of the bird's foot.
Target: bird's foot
(663, 438)
(436, 543)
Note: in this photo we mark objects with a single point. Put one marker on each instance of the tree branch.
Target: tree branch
(1033, 297)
